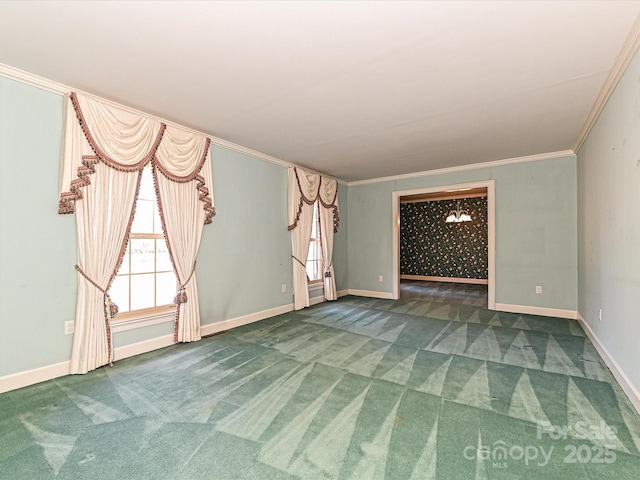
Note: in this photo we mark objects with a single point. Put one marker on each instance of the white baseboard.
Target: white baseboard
(244, 320)
(316, 300)
(145, 346)
(544, 311)
(616, 370)
(475, 281)
(370, 293)
(342, 293)
(49, 372)
(31, 377)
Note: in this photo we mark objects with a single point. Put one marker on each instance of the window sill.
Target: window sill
(131, 321)
(316, 285)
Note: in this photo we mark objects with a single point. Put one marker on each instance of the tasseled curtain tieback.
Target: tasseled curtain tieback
(181, 296)
(110, 307)
(298, 260)
(327, 272)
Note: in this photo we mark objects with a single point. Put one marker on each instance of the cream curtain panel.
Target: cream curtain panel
(104, 150)
(305, 188)
(329, 222)
(180, 160)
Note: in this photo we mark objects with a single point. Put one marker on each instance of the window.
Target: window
(314, 258)
(146, 279)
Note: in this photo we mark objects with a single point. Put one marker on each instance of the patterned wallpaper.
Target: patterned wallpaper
(431, 247)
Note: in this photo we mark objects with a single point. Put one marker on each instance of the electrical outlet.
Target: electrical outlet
(68, 327)
(539, 289)
(284, 288)
(379, 278)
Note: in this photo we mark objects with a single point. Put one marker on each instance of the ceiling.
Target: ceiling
(356, 90)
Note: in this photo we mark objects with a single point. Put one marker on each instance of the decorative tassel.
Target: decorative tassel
(110, 307)
(181, 297)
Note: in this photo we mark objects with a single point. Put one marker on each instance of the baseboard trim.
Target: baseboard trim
(212, 328)
(145, 346)
(370, 293)
(31, 377)
(316, 300)
(543, 311)
(426, 278)
(321, 299)
(629, 389)
(42, 374)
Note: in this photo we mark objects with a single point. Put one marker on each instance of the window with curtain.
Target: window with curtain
(105, 178)
(314, 258)
(145, 283)
(313, 219)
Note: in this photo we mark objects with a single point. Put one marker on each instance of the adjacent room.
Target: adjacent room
(305, 240)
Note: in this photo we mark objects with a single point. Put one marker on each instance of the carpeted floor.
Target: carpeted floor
(430, 386)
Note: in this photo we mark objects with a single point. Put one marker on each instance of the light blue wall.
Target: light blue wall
(535, 230)
(37, 246)
(341, 241)
(609, 225)
(245, 254)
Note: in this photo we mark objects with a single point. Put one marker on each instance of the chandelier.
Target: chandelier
(459, 215)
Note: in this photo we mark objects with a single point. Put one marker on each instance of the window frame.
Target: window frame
(157, 311)
(317, 241)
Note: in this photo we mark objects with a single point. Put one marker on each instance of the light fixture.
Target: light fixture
(457, 216)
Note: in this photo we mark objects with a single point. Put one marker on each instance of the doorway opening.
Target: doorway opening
(484, 189)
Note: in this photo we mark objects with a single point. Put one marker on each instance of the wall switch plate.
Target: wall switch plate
(69, 327)
(539, 289)
(600, 315)
(284, 288)
(379, 278)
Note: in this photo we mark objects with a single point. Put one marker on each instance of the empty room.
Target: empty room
(319, 240)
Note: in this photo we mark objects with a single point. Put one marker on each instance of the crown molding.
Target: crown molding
(34, 80)
(471, 166)
(627, 52)
(61, 89)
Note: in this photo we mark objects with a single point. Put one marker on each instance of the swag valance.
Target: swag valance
(125, 141)
(104, 151)
(311, 187)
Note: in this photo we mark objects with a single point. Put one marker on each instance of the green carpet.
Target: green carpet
(361, 388)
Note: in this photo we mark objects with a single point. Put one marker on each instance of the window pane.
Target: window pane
(143, 218)
(165, 288)
(142, 255)
(147, 189)
(157, 224)
(142, 291)
(163, 261)
(313, 260)
(313, 270)
(313, 250)
(120, 293)
(138, 286)
(124, 267)
(314, 224)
